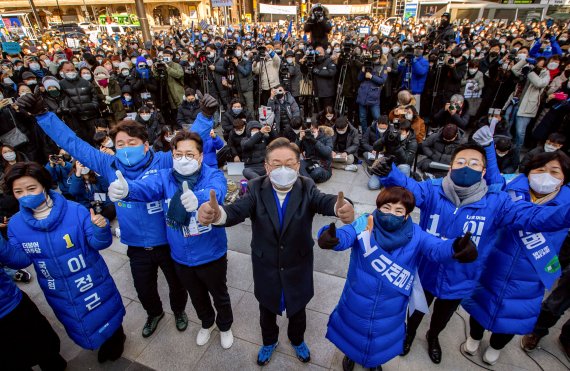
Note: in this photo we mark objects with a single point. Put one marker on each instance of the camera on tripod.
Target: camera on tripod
(230, 51)
(367, 63)
(160, 68)
(311, 57)
(261, 52)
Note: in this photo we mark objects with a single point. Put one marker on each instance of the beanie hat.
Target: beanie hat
(50, 81)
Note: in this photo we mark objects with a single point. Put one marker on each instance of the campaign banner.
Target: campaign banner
(11, 47)
(218, 3)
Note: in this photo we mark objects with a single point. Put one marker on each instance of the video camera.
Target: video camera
(317, 13)
(392, 134)
(311, 57)
(160, 68)
(261, 52)
(230, 51)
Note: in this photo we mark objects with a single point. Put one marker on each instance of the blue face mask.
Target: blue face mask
(32, 201)
(389, 222)
(272, 54)
(131, 156)
(465, 177)
(236, 111)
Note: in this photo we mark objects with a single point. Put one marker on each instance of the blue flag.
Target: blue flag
(289, 29)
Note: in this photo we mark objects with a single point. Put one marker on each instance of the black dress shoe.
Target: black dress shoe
(377, 368)
(408, 344)
(347, 364)
(434, 349)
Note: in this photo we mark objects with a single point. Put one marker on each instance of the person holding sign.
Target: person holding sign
(281, 206)
(199, 251)
(368, 324)
(62, 240)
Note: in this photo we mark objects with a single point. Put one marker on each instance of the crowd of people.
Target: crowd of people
(466, 121)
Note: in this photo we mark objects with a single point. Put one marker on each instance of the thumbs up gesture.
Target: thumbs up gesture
(119, 189)
(188, 198)
(344, 209)
(209, 212)
(328, 239)
(464, 248)
(98, 220)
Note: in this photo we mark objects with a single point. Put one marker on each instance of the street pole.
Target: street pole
(34, 11)
(141, 14)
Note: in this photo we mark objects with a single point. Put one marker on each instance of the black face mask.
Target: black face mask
(493, 54)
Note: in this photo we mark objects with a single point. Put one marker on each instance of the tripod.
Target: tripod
(339, 101)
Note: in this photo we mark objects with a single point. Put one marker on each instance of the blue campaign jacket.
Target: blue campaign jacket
(84, 195)
(369, 89)
(61, 175)
(210, 147)
(420, 69)
(71, 272)
(10, 294)
(202, 126)
(509, 294)
(142, 223)
(368, 323)
(210, 243)
(440, 217)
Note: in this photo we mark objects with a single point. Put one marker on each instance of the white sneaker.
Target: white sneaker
(351, 168)
(491, 355)
(471, 346)
(204, 335)
(226, 339)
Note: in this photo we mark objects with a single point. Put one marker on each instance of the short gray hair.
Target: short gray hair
(457, 98)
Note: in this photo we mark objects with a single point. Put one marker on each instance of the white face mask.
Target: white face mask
(521, 56)
(283, 177)
(395, 49)
(240, 132)
(382, 131)
(9, 156)
(296, 131)
(409, 116)
(329, 117)
(403, 136)
(212, 54)
(185, 166)
(86, 77)
(385, 50)
(290, 60)
(166, 59)
(550, 148)
(109, 143)
(85, 171)
(125, 72)
(238, 53)
(544, 183)
(145, 117)
(552, 66)
(502, 154)
(341, 132)
(473, 71)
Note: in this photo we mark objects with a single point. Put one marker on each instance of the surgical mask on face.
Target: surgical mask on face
(552, 65)
(521, 56)
(86, 76)
(237, 111)
(409, 116)
(185, 166)
(478, 49)
(240, 132)
(290, 60)
(395, 49)
(145, 116)
(85, 171)
(31, 82)
(192, 64)
(253, 132)
(238, 53)
(342, 131)
(8, 81)
(34, 66)
(166, 59)
(9, 156)
(133, 60)
(125, 73)
(70, 75)
(382, 131)
(32, 201)
(550, 148)
(502, 154)
(130, 156)
(329, 117)
(465, 176)
(109, 143)
(385, 50)
(473, 71)
(543, 183)
(283, 177)
(502, 41)
(403, 136)
(211, 54)
(296, 131)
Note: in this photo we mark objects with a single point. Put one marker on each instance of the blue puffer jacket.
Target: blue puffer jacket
(142, 223)
(369, 90)
(61, 175)
(508, 297)
(10, 294)
(84, 195)
(368, 323)
(209, 243)
(71, 272)
(202, 126)
(210, 147)
(420, 69)
(440, 217)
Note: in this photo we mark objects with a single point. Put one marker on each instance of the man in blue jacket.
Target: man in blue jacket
(199, 252)
(142, 223)
(451, 206)
(414, 73)
(371, 80)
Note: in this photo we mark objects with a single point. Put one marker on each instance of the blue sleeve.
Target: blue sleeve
(97, 238)
(530, 217)
(218, 183)
(420, 67)
(379, 80)
(556, 50)
(148, 189)
(361, 76)
(245, 70)
(11, 254)
(535, 48)
(76, 186)
(164, 160)
(202, 126)
(346, 236)
(52, 171)
(65, 138)
(218, 143)
(421, 190)
(493, 174)
(436, 249)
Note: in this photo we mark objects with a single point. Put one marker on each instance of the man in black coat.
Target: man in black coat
(281, 207)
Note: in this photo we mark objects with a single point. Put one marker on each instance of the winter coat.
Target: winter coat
(10, 294)
(352, 141)
(441, 218)
(438, 150)
(253, 147)
(529, 156)
(83, 98)
(203, 245)
(141, 85)
(60, 175)
(368, 323)
(418, 124)
(530, 98)
(175, 84)
(269, 73)
(319, 151)
(509, 294)
(228, 119)
(404, 151)
(244, 75)
(508, 164)
(557, 84)
(370, 136)
(369, 90)
(451, 78)
(478, 79)
(209, 150)
(85, 194)
(187, 113)
(74, 277)
(459, 118)
(114, 91)
(290, 105)
(142, 224)
(536, 51)
(420, 69)
(234, 141)
(295, 77)
(324, 74)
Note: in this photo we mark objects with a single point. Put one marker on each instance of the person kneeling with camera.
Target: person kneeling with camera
(316, 145)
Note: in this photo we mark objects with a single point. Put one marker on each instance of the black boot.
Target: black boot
(408, 343)
(377, 368)
(434, 349)
(347, 364)
(112, 348)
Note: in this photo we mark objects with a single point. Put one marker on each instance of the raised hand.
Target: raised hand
(98, 220)
(188, 198)
(209, 212)
(118, 189)
(465, 249)
(328, 239)
(344, 209)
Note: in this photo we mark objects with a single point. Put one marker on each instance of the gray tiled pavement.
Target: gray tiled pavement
(170, 350)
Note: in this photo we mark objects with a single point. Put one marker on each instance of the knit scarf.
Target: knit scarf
(461, 196)
(143, 73)
(177, 217)
(389, 241)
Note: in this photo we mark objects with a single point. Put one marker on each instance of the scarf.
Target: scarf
(143, 73)
(542, 200)
(177, 217)
(389, 241)
(461, 196)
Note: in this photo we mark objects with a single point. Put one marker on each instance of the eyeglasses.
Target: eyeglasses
(142, 66)
(290, 164)
(473, 164)
(178, 156)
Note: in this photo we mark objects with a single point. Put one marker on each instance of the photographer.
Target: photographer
(192, 78)
(144, 85)
(243, 77)
(406, 110)
(253, 149)
(318, 26)
(444, 33)
(372, 76)
(59, 167)
(316, 146)
(323, 72)
(452, 74)
(215, 72)
(546, 46)
(454, 112)
(345, 145)
(285, 108)
(266, 66)
(372, 134)
(290, 74)
(174, 79)
(90, 190)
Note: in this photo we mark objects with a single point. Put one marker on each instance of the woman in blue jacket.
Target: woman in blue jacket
(62, 241)
(90, 190)
(199, 252)
(521, 265)
(368, 324)
(59, 167)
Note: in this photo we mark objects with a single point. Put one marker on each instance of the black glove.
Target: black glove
(382, 166)
(32, 104)
(465, 250)
(310, 139)
(328, 239)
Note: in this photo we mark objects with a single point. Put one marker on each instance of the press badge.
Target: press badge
(194, 228)
(100, 197)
